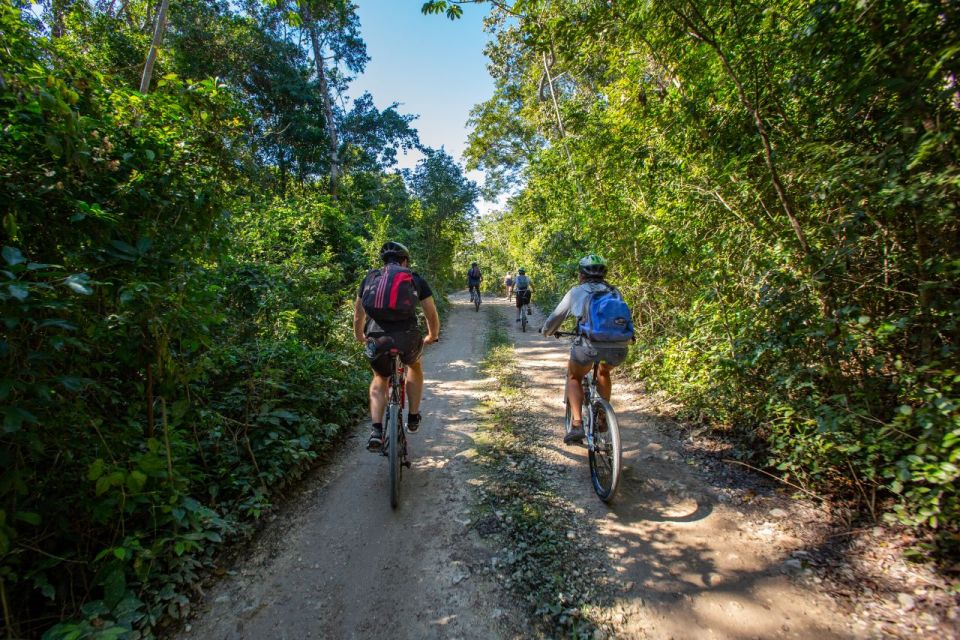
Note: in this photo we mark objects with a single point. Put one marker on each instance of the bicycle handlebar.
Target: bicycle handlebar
(574, 334)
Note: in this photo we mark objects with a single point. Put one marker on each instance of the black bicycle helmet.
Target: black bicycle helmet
(393, 252)
(593, 266)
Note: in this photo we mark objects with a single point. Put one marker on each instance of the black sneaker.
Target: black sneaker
(413, 422)
(575, 435)
(375, 441)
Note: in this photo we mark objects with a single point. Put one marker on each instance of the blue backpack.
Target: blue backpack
(608, 318)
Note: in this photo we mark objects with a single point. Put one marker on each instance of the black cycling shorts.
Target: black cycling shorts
(523, 297)
(410, 344)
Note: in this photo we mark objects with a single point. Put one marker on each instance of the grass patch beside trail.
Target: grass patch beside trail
(541, 557)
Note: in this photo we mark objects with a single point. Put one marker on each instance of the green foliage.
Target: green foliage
(175, 330)
(774, 185)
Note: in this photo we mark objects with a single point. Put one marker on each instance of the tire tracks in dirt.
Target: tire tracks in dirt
(681, 563)
(338, 562)
(676, 560)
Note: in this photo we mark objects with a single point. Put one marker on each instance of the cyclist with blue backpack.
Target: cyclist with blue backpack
(523, 289)
(605, 330)
(385, 316)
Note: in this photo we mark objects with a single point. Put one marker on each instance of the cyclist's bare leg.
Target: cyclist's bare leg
(414, 386)
(378, 397)
(604, 383)
(575, 373)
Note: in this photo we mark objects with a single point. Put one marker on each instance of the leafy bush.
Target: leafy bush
(774, 186)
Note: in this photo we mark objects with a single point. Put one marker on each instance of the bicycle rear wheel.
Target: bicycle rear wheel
(605, 454)
(523, 318)
(476, 301)
(394, 454)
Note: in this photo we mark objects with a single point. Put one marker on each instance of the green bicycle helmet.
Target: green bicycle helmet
(593, 266)
(521, 270)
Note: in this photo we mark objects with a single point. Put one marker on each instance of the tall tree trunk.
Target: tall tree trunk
(333, 139)
(152, 54)
(59, 8)
(283, 172)
(332, 136)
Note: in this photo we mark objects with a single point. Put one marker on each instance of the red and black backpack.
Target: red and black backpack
(390, 295)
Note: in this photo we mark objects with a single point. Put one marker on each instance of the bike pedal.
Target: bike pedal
(407, 464)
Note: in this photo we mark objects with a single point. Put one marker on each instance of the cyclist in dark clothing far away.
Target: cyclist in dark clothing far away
(392, 293)
(474, 278)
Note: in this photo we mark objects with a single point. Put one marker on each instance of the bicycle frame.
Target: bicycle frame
(397, 393)
(395, 442)
(605, 452)
(589, 393)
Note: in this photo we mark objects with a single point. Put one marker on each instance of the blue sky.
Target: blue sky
(432, 66)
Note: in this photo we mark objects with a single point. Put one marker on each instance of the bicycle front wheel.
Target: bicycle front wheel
(605, 454)
(394, 454)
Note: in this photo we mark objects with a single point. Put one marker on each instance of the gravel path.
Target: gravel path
(340, 563)
(687, 552)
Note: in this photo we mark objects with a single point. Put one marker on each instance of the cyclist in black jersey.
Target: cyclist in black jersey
(403, 334)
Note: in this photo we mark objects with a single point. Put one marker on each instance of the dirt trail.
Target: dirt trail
(686, 565)
(342, 564)
(339, 563)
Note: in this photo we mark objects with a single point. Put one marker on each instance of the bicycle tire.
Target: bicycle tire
(393, 453)
(606, 453)
(523, 319)
(476, 303)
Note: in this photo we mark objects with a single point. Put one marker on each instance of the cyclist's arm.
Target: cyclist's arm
(553, 322)
(433, 320)
(359, 320)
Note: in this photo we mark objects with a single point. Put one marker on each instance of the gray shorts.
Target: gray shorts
(583, 352)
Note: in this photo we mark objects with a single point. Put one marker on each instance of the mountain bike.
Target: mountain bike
(395, 440)
(601, 432)
(475, 297)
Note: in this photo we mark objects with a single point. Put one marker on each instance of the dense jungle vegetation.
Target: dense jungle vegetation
(775, 185)
(182, 238)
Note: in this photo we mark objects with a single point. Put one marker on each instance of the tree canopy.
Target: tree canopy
(775, 186)
(178, 267)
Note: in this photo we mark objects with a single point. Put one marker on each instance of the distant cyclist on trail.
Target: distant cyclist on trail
(611, 335)
(523, 289)
(385, 316)
(474, 278)
(508, 284)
